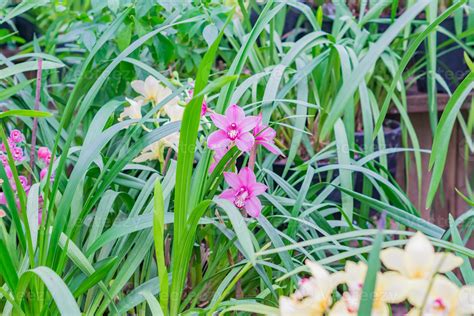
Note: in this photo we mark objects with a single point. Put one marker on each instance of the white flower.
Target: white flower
(389, 289)
(155, 151)
(444, 298)
(133, 111)
(313, 296)
(151, 90)
(418, 261)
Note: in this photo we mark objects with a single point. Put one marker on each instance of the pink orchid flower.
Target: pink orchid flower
(264, 135)
(244, 190)
(16, 136)
(233, 127)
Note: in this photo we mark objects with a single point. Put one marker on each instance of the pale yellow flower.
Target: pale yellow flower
(151, 90)
(155, 151)
(313, 296)
(389, 289)
(444, 298)
(418, 261)
(132, 111)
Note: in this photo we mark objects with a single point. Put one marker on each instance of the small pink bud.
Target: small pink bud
(17, 154)
(16, 136)
(43, 173)
(44, 154)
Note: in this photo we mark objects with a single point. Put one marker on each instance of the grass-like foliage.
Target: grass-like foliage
(230, 157)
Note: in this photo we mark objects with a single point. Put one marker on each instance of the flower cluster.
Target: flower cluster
(15, 143)
(415, 275)
(244, 132)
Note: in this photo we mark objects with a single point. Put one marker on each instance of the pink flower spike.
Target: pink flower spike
(43, 173)
(4, 159)
(16, 136)
(24, 183)
(243, 191)
(44, 154)
(264, 135)
(234, 128)
(17, 154)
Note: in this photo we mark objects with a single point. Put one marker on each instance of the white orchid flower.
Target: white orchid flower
(443, 299)
(155, 151)
(132, 111)
(151, 90)
(389, 289)
(313, 296)
(418, 261)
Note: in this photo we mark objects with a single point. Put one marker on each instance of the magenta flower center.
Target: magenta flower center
(439, 305)
(233, 131)
(240, 197)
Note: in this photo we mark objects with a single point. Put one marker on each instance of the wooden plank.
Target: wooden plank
(447, 200)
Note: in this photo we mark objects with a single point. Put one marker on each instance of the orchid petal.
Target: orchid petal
(218, 139)
(247, 177)
(445, 262)
(228, 194)
(271, 148)
(235, 114)
(392, 258)
(138, 86)
(248, 123)
(245, 142)
(220, 121)
(253, 207)
(233, 179)
(258, 188)
(395, 287)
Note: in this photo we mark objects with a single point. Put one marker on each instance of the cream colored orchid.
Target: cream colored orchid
(132, 111)
(444, 298)
(173, 111)
(313, 296)
(151, 90)
(389, 289)
(418, 261)
(155, 151)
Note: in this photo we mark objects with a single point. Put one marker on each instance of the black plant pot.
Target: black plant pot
(26, 29)
(450, 60)
(392, 135)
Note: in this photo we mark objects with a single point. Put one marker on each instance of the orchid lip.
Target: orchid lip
(233, 132)
(240, 197)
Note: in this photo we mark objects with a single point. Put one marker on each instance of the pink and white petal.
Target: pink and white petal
(268, 133)
(272, 148)
(220, 121)
(253, 207)
(245, 142)
(247, 177)
(218, 139)
(138, 86)
(233, 179)
(258, 188)
(248, 123)
(228, 194)
(234, 113)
